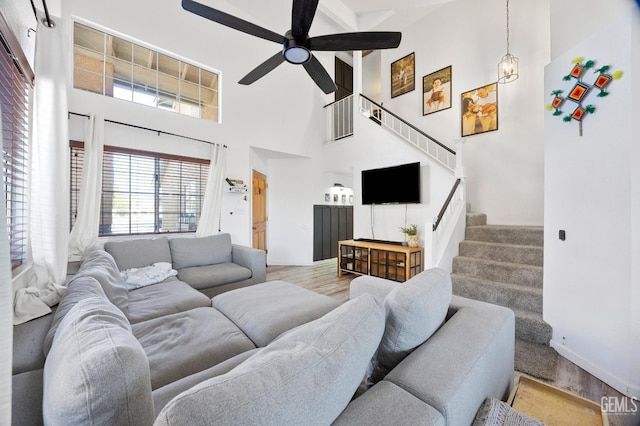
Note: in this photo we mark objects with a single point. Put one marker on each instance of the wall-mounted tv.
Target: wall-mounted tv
(392, 185)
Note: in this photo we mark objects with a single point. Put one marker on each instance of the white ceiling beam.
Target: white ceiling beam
(338, 12)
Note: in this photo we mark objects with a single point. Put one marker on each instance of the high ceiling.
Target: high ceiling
(340, 15)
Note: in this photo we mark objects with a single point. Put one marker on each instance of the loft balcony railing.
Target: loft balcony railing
(339, 116)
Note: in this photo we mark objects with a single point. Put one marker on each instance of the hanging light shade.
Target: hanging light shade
(508, 66)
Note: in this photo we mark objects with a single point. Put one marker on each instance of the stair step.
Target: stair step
(510, 295)
(514, 273)
(539, 361)
(476, 219)
(531, 327)
(523, 235)
(500, 252)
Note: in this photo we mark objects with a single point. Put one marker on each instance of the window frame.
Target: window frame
(75, 181)
(180, 103)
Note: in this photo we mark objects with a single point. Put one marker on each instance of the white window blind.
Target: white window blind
(144, 192)
(14, 99)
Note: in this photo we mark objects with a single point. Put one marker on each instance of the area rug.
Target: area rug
(536, 360)
(497, 413)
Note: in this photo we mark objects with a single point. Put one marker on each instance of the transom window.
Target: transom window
(144, 192)
(119, 68)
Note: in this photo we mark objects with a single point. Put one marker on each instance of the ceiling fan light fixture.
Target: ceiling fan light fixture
(297, 55)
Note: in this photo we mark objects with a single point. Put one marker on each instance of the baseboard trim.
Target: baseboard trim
(618, 384)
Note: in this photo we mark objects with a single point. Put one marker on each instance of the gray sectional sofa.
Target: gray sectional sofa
(211, 264)
(268, 354)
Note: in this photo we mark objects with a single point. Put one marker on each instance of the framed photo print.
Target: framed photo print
(403, 75)
(436, 91)
(479, 110)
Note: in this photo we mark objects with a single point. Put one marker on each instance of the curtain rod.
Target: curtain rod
(48, 22)
(148, 129)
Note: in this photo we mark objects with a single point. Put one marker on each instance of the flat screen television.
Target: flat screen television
(392, 185)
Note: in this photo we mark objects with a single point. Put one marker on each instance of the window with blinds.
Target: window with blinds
(14, 97)
(144, 192)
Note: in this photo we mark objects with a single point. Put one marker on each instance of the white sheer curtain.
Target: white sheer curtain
(209, 223)
(85, 228)
(6, 309)
(49, 196)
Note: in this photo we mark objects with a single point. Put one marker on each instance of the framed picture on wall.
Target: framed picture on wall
(479, 110)
(403, 75)
(436, 91)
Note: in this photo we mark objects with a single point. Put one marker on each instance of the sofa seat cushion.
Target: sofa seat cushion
(305, 377)
(100, 265)
(184, 343)
(26, 398)
(188, 252)
(96, 372)
(387, 404)
(139, 253)
(264, 311)
(201, 277)
(165, 298)
(414, 312)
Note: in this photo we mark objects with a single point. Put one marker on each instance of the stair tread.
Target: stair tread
(526, 227)
(523, 313)
(517, 287)
(497, 262)
(507, 245)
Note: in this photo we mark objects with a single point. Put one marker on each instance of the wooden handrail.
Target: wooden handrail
(410, 125)
(446, 204)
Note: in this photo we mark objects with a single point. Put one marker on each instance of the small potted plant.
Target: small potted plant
(412, 235)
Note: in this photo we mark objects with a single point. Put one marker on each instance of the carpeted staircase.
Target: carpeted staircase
(503, 265)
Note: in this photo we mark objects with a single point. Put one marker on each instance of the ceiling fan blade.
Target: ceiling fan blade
(320, 75)
(231, 21)
(262, 69)
(301, 17)
(371, 40)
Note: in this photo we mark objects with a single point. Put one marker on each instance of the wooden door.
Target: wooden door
(343, 79)
(259, 211)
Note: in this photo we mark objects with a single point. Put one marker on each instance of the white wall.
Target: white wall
(372, 147)
(591, 280)
(505, 167)
(281, 113)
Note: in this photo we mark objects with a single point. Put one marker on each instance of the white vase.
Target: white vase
(413, 241)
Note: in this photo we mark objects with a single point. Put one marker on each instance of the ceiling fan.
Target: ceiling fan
(297, 46)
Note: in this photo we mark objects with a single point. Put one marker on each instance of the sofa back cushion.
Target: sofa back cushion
(139, 253)
(96, 372)
(100, 265)
(79, 288)
(414, 312)
(306, 376)
(188, 252)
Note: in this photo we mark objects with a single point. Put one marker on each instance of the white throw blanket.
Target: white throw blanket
(140, 277)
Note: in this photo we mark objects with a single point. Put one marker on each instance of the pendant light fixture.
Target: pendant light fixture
(508, 66)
